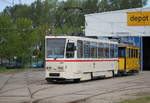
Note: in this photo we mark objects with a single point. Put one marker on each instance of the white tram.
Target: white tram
(79, 58)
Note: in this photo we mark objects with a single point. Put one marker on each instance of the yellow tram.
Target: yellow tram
(129, 59)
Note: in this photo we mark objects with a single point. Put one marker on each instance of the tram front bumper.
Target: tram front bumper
(62, 75)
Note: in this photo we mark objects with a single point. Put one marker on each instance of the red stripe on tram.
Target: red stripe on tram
(77, 60)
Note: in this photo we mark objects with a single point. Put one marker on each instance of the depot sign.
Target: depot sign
(138, 18)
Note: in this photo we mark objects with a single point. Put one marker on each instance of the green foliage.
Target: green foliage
(22, 23)
(145, 99)
(111, 5)
(91, 6)
(5, 23)
(17, 41)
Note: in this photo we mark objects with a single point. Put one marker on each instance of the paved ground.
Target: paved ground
(30, 87)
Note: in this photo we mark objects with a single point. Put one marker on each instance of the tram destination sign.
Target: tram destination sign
(138, 18)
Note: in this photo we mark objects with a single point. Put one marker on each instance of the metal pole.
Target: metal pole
(141, 54)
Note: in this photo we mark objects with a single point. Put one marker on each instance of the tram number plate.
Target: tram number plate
(54, 74)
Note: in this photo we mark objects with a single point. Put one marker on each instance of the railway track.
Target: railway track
(4, 84)
(89, 96)
(126, 84)
(29, 85)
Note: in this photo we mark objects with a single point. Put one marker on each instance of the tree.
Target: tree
(27, 37)
(5, 25)
(90, 6)
(111, 5)
(40, 32)
(18, 11)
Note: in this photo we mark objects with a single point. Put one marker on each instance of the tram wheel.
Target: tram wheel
(76, 80)
(49, 80)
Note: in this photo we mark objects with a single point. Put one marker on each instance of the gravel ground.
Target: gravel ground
(30, 87)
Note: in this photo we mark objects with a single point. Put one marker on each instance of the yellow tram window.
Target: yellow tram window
(135, 53)
(129, 53)
(138, 53)
(132, 53)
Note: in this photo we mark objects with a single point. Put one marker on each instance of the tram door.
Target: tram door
(122, 59)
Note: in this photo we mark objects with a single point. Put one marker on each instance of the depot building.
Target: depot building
(133, 24)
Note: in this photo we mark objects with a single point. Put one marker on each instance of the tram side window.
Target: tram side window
(115, 51)
(112, 52)
(132, 53)
(136, 51)
(129, 53)
(93, 50)
(100, 50)
(106, 50)
(86, 49)
(70, 50)
(80, 49)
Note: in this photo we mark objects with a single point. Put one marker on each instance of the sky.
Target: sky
(4, 3)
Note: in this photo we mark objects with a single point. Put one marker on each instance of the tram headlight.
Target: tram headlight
(60, 68)
(49, 68)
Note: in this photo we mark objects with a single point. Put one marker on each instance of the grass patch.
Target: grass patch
(138, 100)
(3, 70)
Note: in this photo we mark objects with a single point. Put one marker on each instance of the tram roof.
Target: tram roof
(83, 38)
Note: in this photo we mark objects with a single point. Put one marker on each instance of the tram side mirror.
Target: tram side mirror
(71, 47)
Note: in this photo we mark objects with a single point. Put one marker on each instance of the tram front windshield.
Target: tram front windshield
(55, 47)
